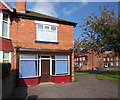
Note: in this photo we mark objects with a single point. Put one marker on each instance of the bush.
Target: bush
(6, 67)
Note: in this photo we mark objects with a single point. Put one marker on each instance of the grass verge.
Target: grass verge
(112, 75)
(84, 72)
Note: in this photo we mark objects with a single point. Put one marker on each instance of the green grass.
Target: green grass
(81, 73)
(84, 72)
(109, 75)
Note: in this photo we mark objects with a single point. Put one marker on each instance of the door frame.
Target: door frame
(40, 71)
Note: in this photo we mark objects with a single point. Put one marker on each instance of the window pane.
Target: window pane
(28, 57)
(5, 17)
(46, 27)
(6, 55)
(117, 64)
(53, 28)
(61, 57)
(40, 26)
(61, 67)
(28, 68)
(5, 29)
(111, 63)
(83, 58)
(46, 35)
(117, 58)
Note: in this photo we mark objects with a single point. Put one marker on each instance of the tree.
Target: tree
(100, 34)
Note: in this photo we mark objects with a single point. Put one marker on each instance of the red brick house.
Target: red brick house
(89, 61)
(39, 47)
(110, 60)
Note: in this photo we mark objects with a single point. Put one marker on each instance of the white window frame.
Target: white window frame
(29, 60)
(83, 58)
(117, 63)
(80, 58)
(117, 58)
(111, 63)
(1, 57)
(63, 60)
(1, 27)
(77, 59)
(80, 64)
(39, 59)
(46, 24)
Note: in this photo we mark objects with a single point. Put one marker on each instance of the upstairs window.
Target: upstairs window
(46, 31)
(4, 25)
(117, 58)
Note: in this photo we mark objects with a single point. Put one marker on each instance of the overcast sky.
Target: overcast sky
(71, 11)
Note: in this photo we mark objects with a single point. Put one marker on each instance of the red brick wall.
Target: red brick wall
(92, 61)
(23, 33)
(95, 60)
(60, 79)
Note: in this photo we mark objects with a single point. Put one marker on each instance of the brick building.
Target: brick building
(39, 47)
(111, 61)
(89, 61)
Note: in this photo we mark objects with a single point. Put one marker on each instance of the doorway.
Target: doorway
(45, 70)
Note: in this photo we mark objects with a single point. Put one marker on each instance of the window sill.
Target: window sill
(61, 75)
(30, 77)
(37, 41)
(5, 38)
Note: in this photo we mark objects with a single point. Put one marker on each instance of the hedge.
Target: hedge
(6, 67)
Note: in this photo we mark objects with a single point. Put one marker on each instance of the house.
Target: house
(39, 47)
(111, 61)
(80, 61)
(89, 61)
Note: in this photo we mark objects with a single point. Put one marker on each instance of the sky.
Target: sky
(71, 11)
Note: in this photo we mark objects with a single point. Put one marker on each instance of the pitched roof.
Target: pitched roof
(43, 17)
(7, 5)
(108, 54)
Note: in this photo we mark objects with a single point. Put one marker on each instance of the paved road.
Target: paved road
(86, 87)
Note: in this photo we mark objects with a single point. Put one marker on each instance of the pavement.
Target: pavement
(87, 86)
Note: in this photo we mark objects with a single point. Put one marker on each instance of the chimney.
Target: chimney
(21, 6)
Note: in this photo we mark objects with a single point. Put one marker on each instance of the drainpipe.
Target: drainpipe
(92, 60)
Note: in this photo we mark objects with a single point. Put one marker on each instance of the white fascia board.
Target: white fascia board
(6, 5)
(46, 23)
